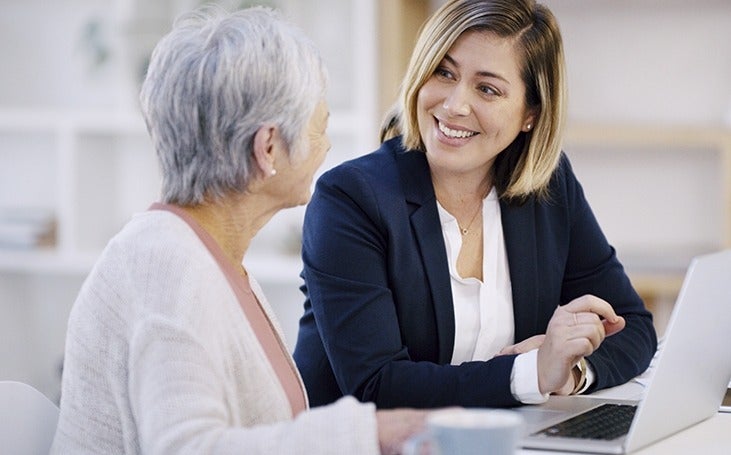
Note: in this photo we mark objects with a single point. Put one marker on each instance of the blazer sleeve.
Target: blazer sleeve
(592, 267)
(351, 275)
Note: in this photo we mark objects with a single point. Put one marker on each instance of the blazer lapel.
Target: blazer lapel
(419, 195)
(520, 244)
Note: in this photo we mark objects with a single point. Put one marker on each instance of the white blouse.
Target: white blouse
(483, 310)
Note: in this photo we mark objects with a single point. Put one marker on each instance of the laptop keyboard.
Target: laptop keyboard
(605, 422)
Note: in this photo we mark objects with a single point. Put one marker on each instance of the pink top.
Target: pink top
(272, 344)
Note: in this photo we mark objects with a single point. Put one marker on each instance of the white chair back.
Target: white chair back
(27, 420)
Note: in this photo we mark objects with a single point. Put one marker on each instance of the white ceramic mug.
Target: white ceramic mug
(468, 431)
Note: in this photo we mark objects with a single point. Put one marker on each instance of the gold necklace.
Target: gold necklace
(466, 230)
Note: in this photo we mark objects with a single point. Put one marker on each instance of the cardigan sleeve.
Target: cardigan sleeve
(177, 399)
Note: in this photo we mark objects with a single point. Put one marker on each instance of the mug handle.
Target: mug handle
(415, 445)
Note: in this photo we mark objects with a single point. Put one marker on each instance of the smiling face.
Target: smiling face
(473, 106)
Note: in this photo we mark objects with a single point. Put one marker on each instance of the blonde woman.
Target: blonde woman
(460, 264)
(171, 345)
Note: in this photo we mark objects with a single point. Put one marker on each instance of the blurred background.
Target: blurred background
(649, 135)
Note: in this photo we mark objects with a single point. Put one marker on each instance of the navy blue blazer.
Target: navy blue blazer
(379, 321)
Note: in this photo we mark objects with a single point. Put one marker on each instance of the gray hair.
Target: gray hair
(212, 82)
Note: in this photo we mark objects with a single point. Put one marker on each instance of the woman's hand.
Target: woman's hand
(396, 426)
(574, 331)
(524, 346)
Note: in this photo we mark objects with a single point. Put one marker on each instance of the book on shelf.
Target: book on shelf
(26, 228)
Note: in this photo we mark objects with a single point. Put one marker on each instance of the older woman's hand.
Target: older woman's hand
(395, 426)
(574, 331)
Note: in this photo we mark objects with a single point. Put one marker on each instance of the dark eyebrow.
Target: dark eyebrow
(479, 73)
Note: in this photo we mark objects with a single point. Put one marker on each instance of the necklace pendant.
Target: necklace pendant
(464, 231)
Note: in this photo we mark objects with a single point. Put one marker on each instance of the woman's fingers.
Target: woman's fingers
(526, 345)
(592, 304)
(612, 328)
(590, 309)
(591, 335)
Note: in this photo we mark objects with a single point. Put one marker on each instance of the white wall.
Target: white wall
(51, 61)
(647, 61)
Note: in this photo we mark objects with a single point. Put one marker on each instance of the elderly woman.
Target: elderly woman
(171, 345)
(460, 264)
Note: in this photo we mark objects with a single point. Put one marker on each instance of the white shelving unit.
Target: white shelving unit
(98, 168)
(88, 161)
(661, 193)
(649, 130)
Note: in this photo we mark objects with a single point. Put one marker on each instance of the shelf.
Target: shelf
(659, 275)
(272, 269)
(668, 153)
(648, 135)
(655, 285)
(94, 168)
(25, 120)
(46, 261)
(79, 121)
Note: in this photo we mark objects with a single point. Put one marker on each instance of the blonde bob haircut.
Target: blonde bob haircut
(525, 167)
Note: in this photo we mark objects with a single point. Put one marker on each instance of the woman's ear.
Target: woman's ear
(265, 143)
(530, 120)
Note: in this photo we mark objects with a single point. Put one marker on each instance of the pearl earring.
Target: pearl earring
(273, 172)
(529, 126)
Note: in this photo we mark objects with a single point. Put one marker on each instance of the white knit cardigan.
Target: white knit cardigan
(161, 359)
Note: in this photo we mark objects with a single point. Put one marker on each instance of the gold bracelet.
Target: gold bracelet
(580, 371)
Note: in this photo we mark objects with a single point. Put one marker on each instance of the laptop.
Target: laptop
(726, 405)
(691, 376)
